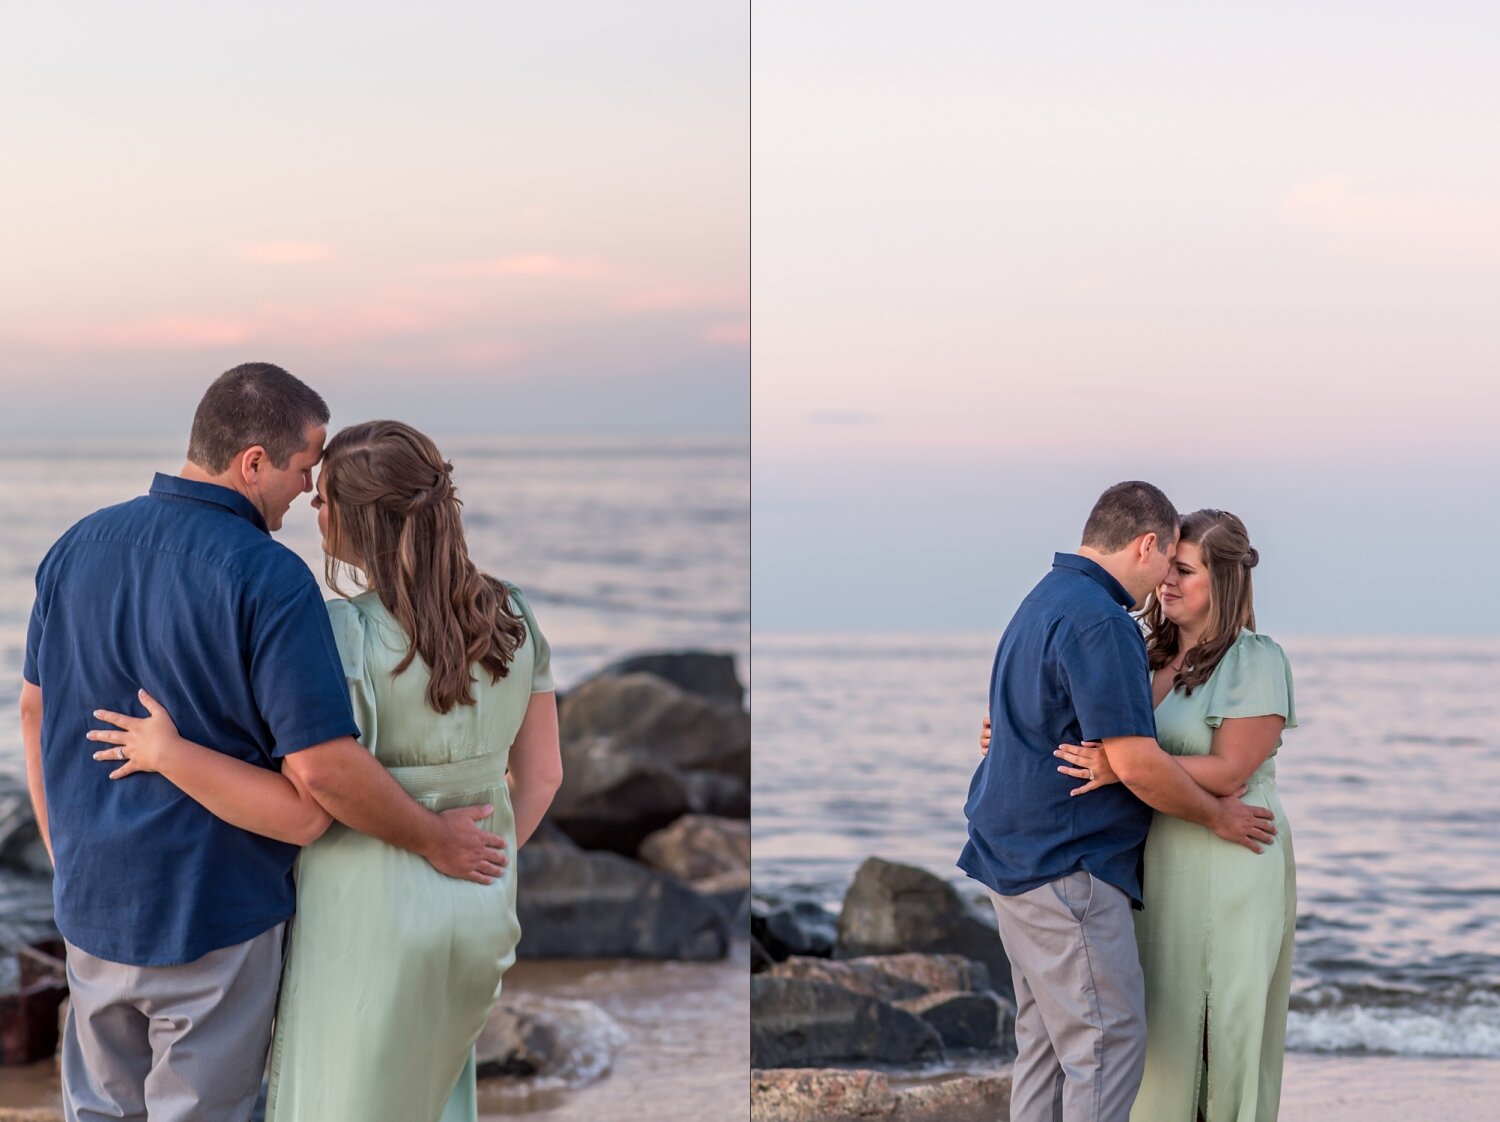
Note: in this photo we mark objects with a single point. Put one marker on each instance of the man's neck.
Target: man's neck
(230, 479)
(1115, 564)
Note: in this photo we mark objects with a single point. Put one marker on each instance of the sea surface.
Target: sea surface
(865, 745)
(621, 544)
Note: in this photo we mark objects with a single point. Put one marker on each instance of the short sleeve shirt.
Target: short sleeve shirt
(1070, 667)
(184, 593)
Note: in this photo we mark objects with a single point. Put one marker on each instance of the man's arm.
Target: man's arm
(355, 788)
(1160, 782)
(31, 738)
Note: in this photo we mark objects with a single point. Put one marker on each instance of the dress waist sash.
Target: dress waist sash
(437, 781)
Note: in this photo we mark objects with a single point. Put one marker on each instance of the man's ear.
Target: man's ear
(251, 460)
(1147, 546)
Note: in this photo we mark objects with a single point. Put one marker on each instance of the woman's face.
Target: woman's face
(1185, 595)
(320, 504)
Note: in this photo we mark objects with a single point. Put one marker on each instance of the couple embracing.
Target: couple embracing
(199, 725)
(1126, 822)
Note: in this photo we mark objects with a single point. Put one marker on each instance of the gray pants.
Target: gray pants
(1080, 1001)
(178, 1043)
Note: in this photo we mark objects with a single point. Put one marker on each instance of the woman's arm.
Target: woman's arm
(1240, 745)
(535, 771)
(253, 798)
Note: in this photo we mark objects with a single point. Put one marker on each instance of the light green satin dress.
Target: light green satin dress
(392, 967)
(1215, 935)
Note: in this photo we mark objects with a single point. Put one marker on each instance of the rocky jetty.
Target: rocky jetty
(908, 973)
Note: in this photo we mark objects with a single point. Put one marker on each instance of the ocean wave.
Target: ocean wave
(1469, 1031)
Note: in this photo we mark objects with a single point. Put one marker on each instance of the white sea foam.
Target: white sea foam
(1470, 1031)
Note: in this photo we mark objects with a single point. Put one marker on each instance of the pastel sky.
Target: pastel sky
(474, 215)
(1008, 254)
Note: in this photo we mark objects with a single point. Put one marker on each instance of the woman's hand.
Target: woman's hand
(144, 742)
(984, 737)
(1089, 762)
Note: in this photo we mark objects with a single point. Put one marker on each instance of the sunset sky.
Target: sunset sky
(476, 216)
(1007, 255)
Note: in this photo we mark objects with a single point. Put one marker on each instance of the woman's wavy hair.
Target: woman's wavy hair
(1228, 555)
(392, 505)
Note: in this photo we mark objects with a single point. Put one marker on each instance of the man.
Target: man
(173, 917)
(1064, 872)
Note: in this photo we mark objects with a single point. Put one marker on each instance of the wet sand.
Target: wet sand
(1317, 1088)
(686, 1059)
(688, 1054)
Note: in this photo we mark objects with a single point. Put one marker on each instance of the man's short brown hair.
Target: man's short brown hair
(255, 403)
(1125, 512)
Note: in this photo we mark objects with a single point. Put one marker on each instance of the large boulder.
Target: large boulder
(21, 846)
(852, 1095)
(891, 908)
(707, 674)
(552, 1037)
(647, 714)
(892, 977)
(577, 904)
(799, 1023)
(613, 798)
(698, 846)
(801, 928)
(716, 794)
(968, 1020)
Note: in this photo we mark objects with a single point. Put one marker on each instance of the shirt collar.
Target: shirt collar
(1097, 573)
(176, 488)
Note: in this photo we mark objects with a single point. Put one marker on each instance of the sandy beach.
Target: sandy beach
(686, 1057)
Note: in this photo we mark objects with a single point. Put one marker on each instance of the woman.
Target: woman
(392, 968)
(1215, 935)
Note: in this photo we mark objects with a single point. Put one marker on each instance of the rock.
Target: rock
(803, 928)
(614, 799)
(575, 1041)
(893, 908)
(550, 833)
(966, 1098)
(707, 674)
(21, 846)
(644, 713)
(730, 890)
(13, 1114)
(891, 977)
(576, 904)
(698, 846)
(713, 792)
(968, 1020)
(821, 1095)
(794, 1023)
(760, 958)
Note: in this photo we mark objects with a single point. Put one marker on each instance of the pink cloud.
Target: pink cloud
(544, 265)
(286, 253)
(172, 333)
(728, 334)
(668, 297)
(1420, 228)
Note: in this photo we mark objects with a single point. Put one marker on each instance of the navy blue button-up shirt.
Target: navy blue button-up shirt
(1071, 667)
(182, 592)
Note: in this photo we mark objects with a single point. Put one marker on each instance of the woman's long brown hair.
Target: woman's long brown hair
(1224, 544)
(393, 507)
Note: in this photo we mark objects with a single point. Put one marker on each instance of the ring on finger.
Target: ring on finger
(120, 753)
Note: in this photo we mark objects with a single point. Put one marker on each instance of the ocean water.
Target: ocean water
(621, 544)
(865, 745)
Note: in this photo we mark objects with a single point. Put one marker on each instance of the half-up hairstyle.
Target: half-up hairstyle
(1224, 544)
(393, 507)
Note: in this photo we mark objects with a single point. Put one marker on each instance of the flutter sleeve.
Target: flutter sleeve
(349, 637)
(1254, 679)
(541, 664)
